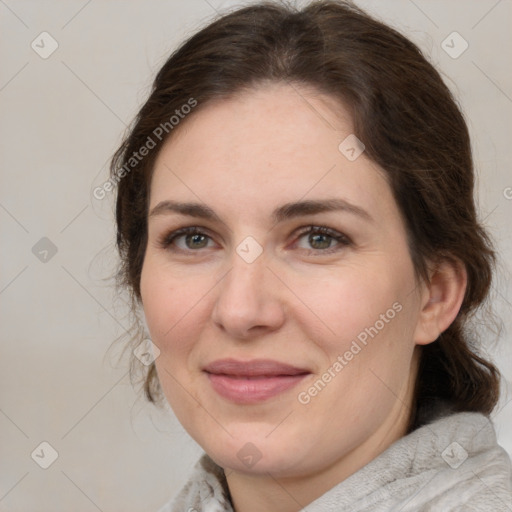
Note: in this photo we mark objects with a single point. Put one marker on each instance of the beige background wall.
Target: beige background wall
(61, 119)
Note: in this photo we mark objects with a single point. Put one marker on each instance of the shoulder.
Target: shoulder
(469, 470)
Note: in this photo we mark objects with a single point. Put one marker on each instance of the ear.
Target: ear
(441, 299)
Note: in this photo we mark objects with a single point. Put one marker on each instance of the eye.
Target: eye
(317, 240)
(322, 240)
(186, 239)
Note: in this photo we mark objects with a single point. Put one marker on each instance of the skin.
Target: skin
(296, 303)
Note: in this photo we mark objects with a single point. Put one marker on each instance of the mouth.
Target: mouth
(252, 381)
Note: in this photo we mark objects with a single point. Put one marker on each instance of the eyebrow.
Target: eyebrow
(280, 214)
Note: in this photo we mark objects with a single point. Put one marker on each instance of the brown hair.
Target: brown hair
(402, 111)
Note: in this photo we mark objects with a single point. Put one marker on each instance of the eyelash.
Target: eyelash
(343, 241)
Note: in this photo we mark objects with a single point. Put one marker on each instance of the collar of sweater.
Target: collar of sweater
(452, 463)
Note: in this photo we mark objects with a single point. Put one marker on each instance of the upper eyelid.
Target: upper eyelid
(207, 231)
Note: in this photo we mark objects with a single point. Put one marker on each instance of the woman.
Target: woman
(295, 216)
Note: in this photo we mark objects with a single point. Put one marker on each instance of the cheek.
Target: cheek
(362, 321)
(171, 305)
(366, 326)
(345, 303)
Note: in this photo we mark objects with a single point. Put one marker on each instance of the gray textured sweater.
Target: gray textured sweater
(451, 464)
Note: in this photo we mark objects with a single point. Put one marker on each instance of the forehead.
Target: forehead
(263, 147)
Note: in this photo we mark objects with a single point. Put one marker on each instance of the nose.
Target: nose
(248, 302)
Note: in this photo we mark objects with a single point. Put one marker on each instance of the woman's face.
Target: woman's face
(261, 173)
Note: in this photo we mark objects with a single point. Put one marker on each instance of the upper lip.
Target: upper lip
(253, 368)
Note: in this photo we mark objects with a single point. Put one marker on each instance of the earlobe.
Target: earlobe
(441, 300)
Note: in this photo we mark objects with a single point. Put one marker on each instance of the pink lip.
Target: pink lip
(252, 381)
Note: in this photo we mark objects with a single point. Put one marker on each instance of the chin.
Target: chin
(256, 457)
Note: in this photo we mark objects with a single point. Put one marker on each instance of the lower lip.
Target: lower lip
(252, 390)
